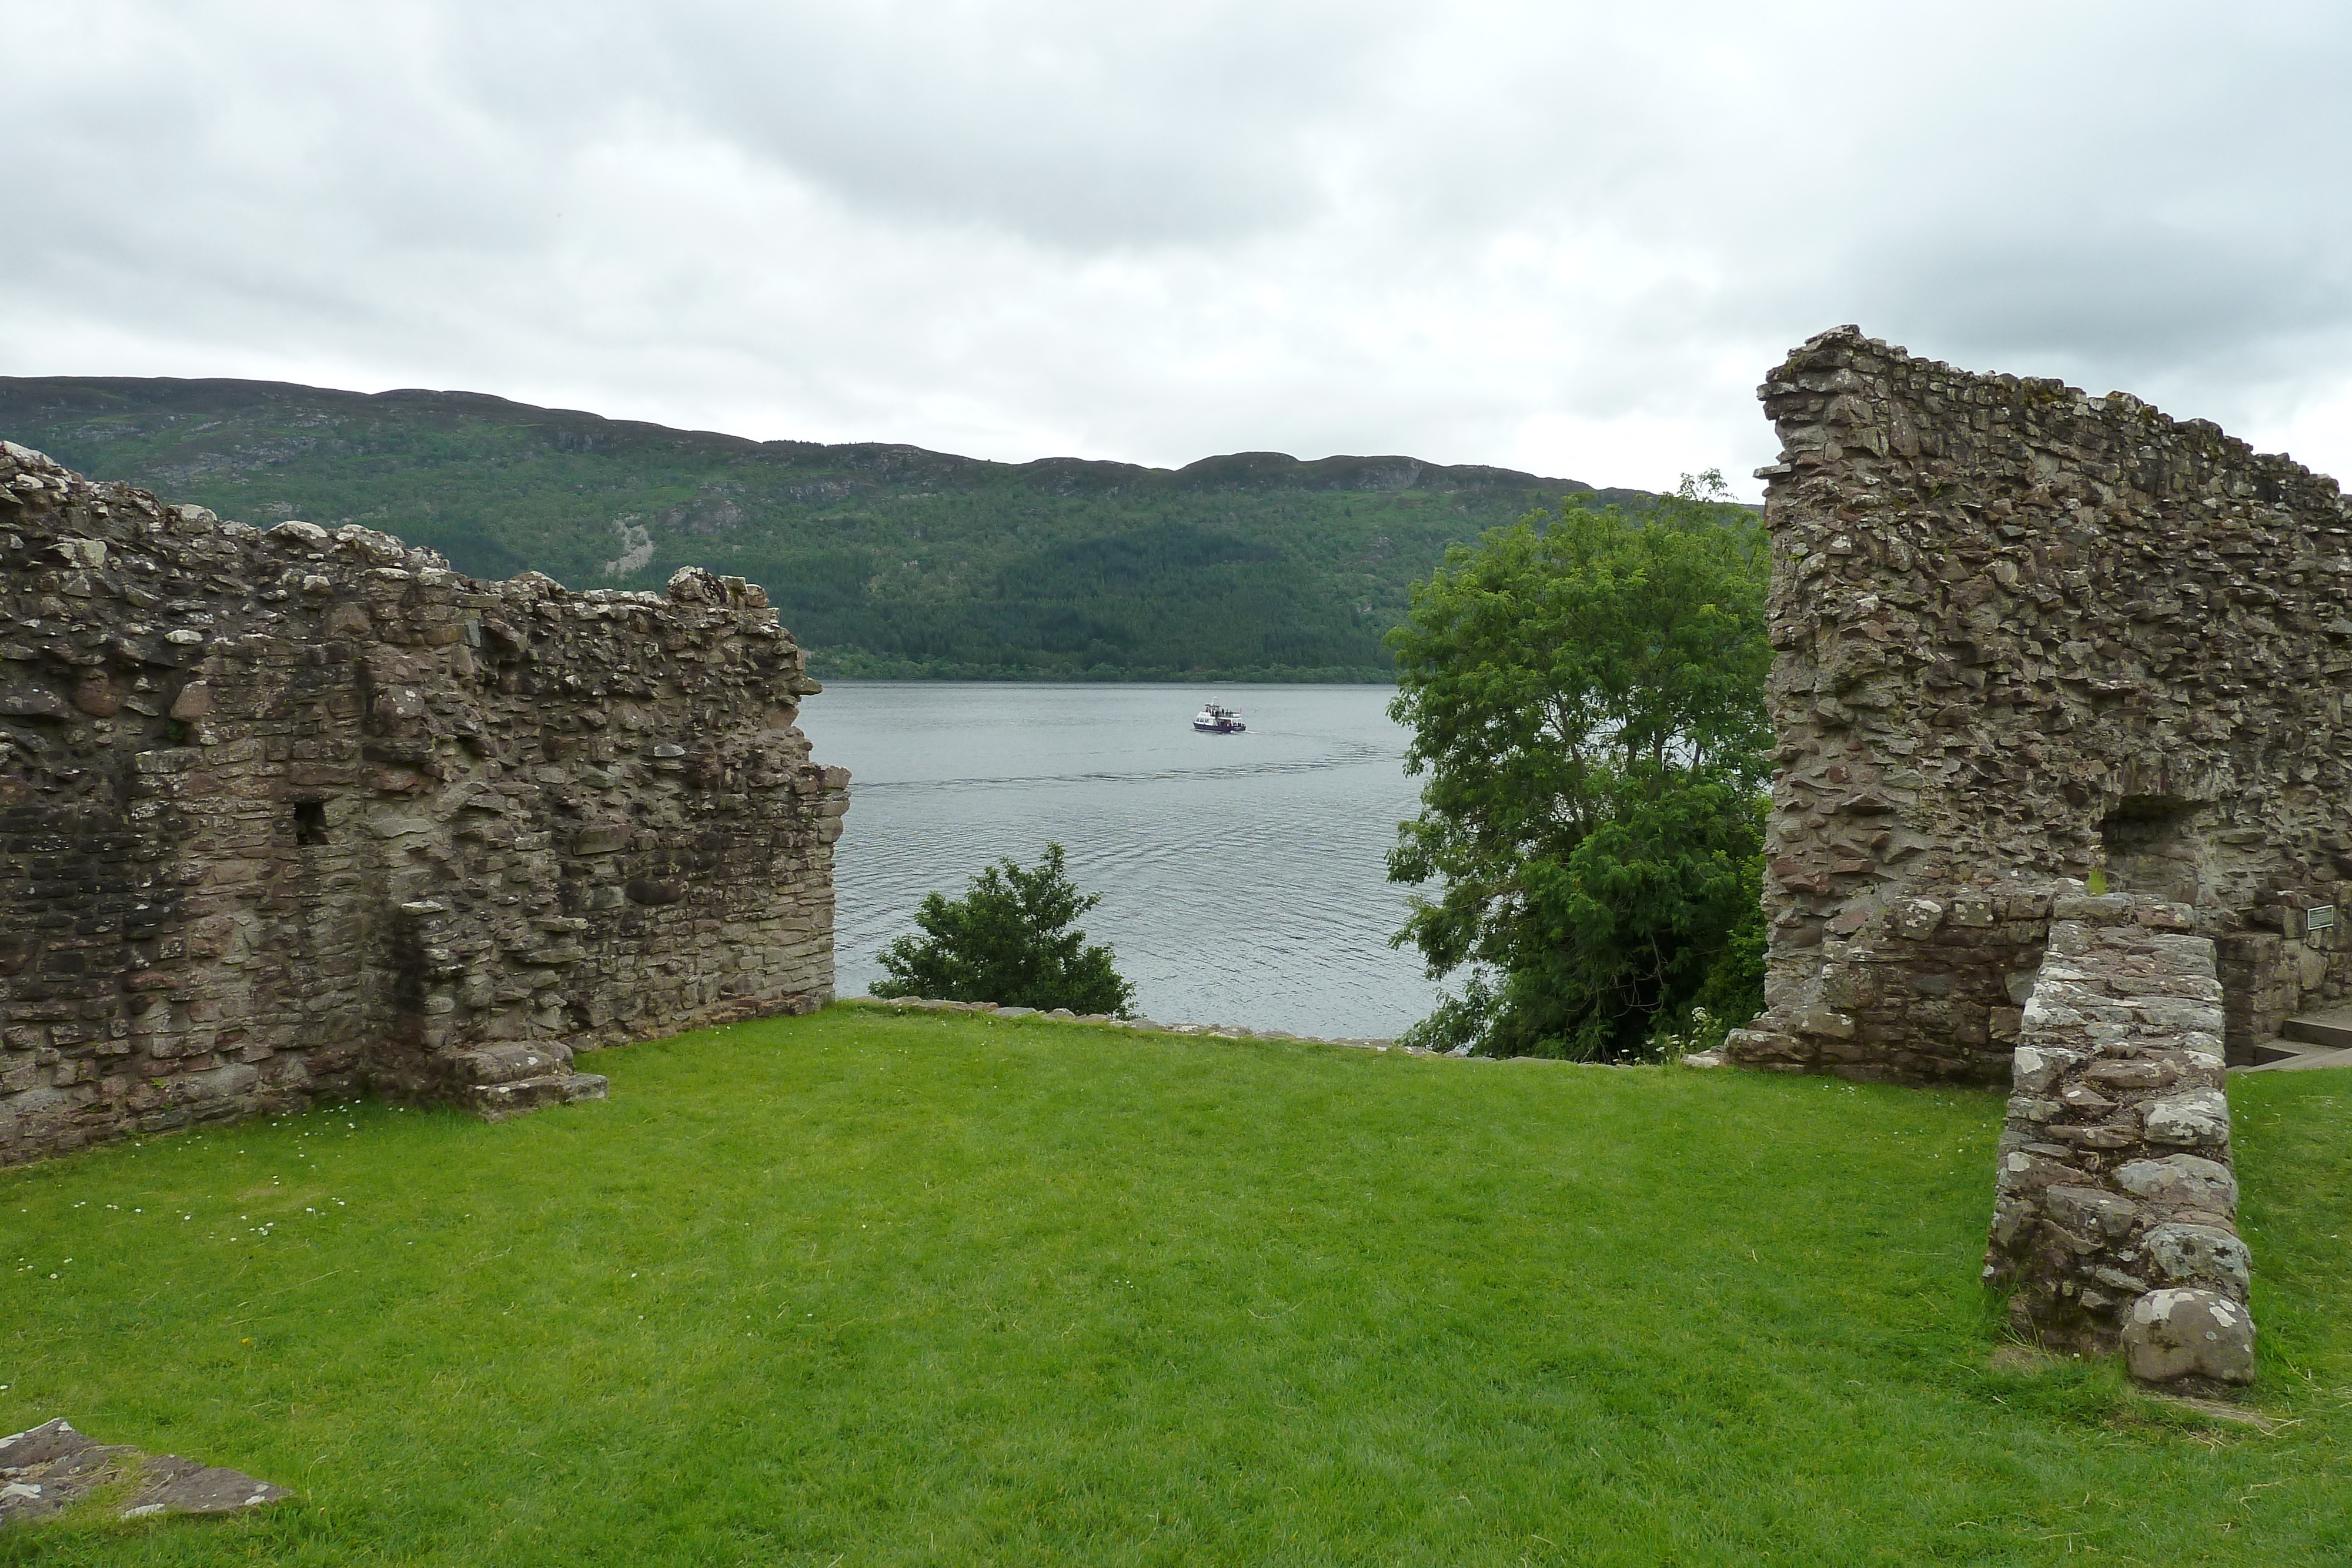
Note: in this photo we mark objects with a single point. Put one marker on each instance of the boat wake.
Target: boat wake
(1347, 754)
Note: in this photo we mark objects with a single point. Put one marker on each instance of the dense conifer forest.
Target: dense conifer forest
(884, 560)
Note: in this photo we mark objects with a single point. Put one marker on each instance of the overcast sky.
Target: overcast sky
(1558, 236)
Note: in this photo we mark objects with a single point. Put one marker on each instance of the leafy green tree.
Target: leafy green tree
(1734, 989)
(1010, 940)
(1586, 694)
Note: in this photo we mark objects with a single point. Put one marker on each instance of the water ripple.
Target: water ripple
(1350, 754)
(1249, 891)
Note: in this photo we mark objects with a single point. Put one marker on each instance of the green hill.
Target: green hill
(885, 560)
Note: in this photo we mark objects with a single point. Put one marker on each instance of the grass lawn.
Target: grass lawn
(864, 1288)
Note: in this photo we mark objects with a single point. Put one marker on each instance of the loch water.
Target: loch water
(1244, 876)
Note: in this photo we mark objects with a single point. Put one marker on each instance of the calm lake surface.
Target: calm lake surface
(1243, 875)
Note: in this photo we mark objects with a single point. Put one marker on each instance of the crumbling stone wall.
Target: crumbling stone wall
(296, 813)
(2115, 1214)
(2024, 637)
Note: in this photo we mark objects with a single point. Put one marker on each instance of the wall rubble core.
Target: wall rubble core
(301, 813)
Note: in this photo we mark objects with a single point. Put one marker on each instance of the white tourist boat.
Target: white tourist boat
(1214, 720)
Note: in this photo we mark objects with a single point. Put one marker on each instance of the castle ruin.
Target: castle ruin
(2023, 636)
(296, 814)
(2064, 797)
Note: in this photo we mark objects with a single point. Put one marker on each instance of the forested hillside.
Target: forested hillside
(885, 560)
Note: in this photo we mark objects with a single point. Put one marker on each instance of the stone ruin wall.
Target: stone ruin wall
(2024, 636)
(299, 813)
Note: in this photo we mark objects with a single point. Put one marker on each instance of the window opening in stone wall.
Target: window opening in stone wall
(2150, 848)
(309, 823)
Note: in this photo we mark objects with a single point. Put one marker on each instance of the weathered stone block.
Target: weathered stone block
(2199, 1119)
(2207, 1257)
(2181, 1182)
(2177, 1333)
(2091, 1211)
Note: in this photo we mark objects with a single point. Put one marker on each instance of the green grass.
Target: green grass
(874, 1289)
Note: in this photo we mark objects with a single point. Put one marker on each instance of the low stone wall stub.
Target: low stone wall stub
(1907, 989)
(2115, 1214)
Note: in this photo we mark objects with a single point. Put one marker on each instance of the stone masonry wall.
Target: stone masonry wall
(296, 813)
(2024, 636)
(2115, 1207)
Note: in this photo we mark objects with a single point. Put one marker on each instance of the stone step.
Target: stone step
(2309, 1056)
(2332, 1029)
(496, 1102)
(487, 1064)
(2272, 1048)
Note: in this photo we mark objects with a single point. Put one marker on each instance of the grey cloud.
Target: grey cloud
(2142, 300)
(1566, 237)
(1063, 122)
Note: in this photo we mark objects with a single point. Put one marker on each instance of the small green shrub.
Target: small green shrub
(1011, 939)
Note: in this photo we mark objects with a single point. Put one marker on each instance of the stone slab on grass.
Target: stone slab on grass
(48, 1469)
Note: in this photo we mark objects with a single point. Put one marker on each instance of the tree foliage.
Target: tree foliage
(1586, 695)
(1011, 939)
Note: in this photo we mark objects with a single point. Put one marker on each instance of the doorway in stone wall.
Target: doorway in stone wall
(2151, 847)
